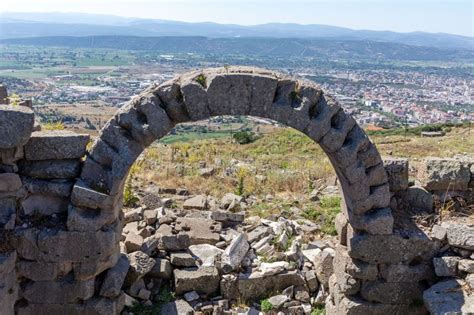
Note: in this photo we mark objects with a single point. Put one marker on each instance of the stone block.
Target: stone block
(407, 273)
(140, 265)
(252, 287)
(391, 292)
(444, 174)
(172, 100)
(94, 306)
(115, 277)
(56, 188)
(144, 118)
(466, 265)
(234, 253)
(448, 297)
(62, 246)
(446, 266)
(89, 220)
(206, 254)
(83, 196)
(50, 169)
(226, 217)
(8, 207)
(200, 231)
(182, 260)
(392, 248)
(235, 93)
(198, 202)
(460, 235)
(41, 271)
(133, 242)
(56, 145)
(377, 221)
(17, 125)
(204, 280)
(8, 159)
(358, 269)
(418, 199)
(44, 205)
(397, 171)
(162, 269)
(9, 182)
(63, 291)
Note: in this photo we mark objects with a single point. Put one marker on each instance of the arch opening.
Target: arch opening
(239, 91)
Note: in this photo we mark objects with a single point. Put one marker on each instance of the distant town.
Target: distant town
(381, 96)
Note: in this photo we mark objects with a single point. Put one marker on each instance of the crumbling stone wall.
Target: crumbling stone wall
(60, 206)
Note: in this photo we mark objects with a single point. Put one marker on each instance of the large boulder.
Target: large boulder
(17, 125)
(444, 174)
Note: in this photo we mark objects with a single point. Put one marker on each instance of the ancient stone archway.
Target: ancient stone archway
(366, 263)
(234, 91)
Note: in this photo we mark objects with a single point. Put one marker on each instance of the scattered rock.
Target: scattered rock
(198, 202)
(204, 280)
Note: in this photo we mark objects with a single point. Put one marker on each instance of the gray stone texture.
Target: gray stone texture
(56, 145)
(17, 125)
(444, 174)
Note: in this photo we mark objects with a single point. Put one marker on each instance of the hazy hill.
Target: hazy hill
(13, 25)
(249, 46)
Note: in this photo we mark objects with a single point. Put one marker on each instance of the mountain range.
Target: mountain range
(21, 25)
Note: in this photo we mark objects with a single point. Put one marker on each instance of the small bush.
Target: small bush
(266, 306)
(201, 79)
(14, 99)
(56, 125)
(244, 137)
(130, 199)
(241, 174)
(318, 310)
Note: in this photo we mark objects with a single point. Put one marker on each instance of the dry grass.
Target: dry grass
(281, 161)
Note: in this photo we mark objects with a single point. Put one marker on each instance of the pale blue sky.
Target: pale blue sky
(448, 16)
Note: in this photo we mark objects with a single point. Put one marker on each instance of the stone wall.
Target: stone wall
(60, 204)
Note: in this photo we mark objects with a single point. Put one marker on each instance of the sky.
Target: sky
(447, 16)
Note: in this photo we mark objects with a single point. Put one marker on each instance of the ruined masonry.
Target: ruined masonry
(60, 203)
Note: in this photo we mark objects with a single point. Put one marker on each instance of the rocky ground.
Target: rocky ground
(207, 256)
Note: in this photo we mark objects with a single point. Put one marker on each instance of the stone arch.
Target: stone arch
(377, 269)
(97, 196)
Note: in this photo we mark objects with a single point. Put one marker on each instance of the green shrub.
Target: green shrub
(318, 310)
(56, 125)
(130, 199)
(266, 306)
(201, 79)
(14, 99)
(244, 137)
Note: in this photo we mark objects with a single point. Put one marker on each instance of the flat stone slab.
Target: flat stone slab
(448, 297)
(56, 145)
(204, 280)
(200, 231)
(17, 125)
